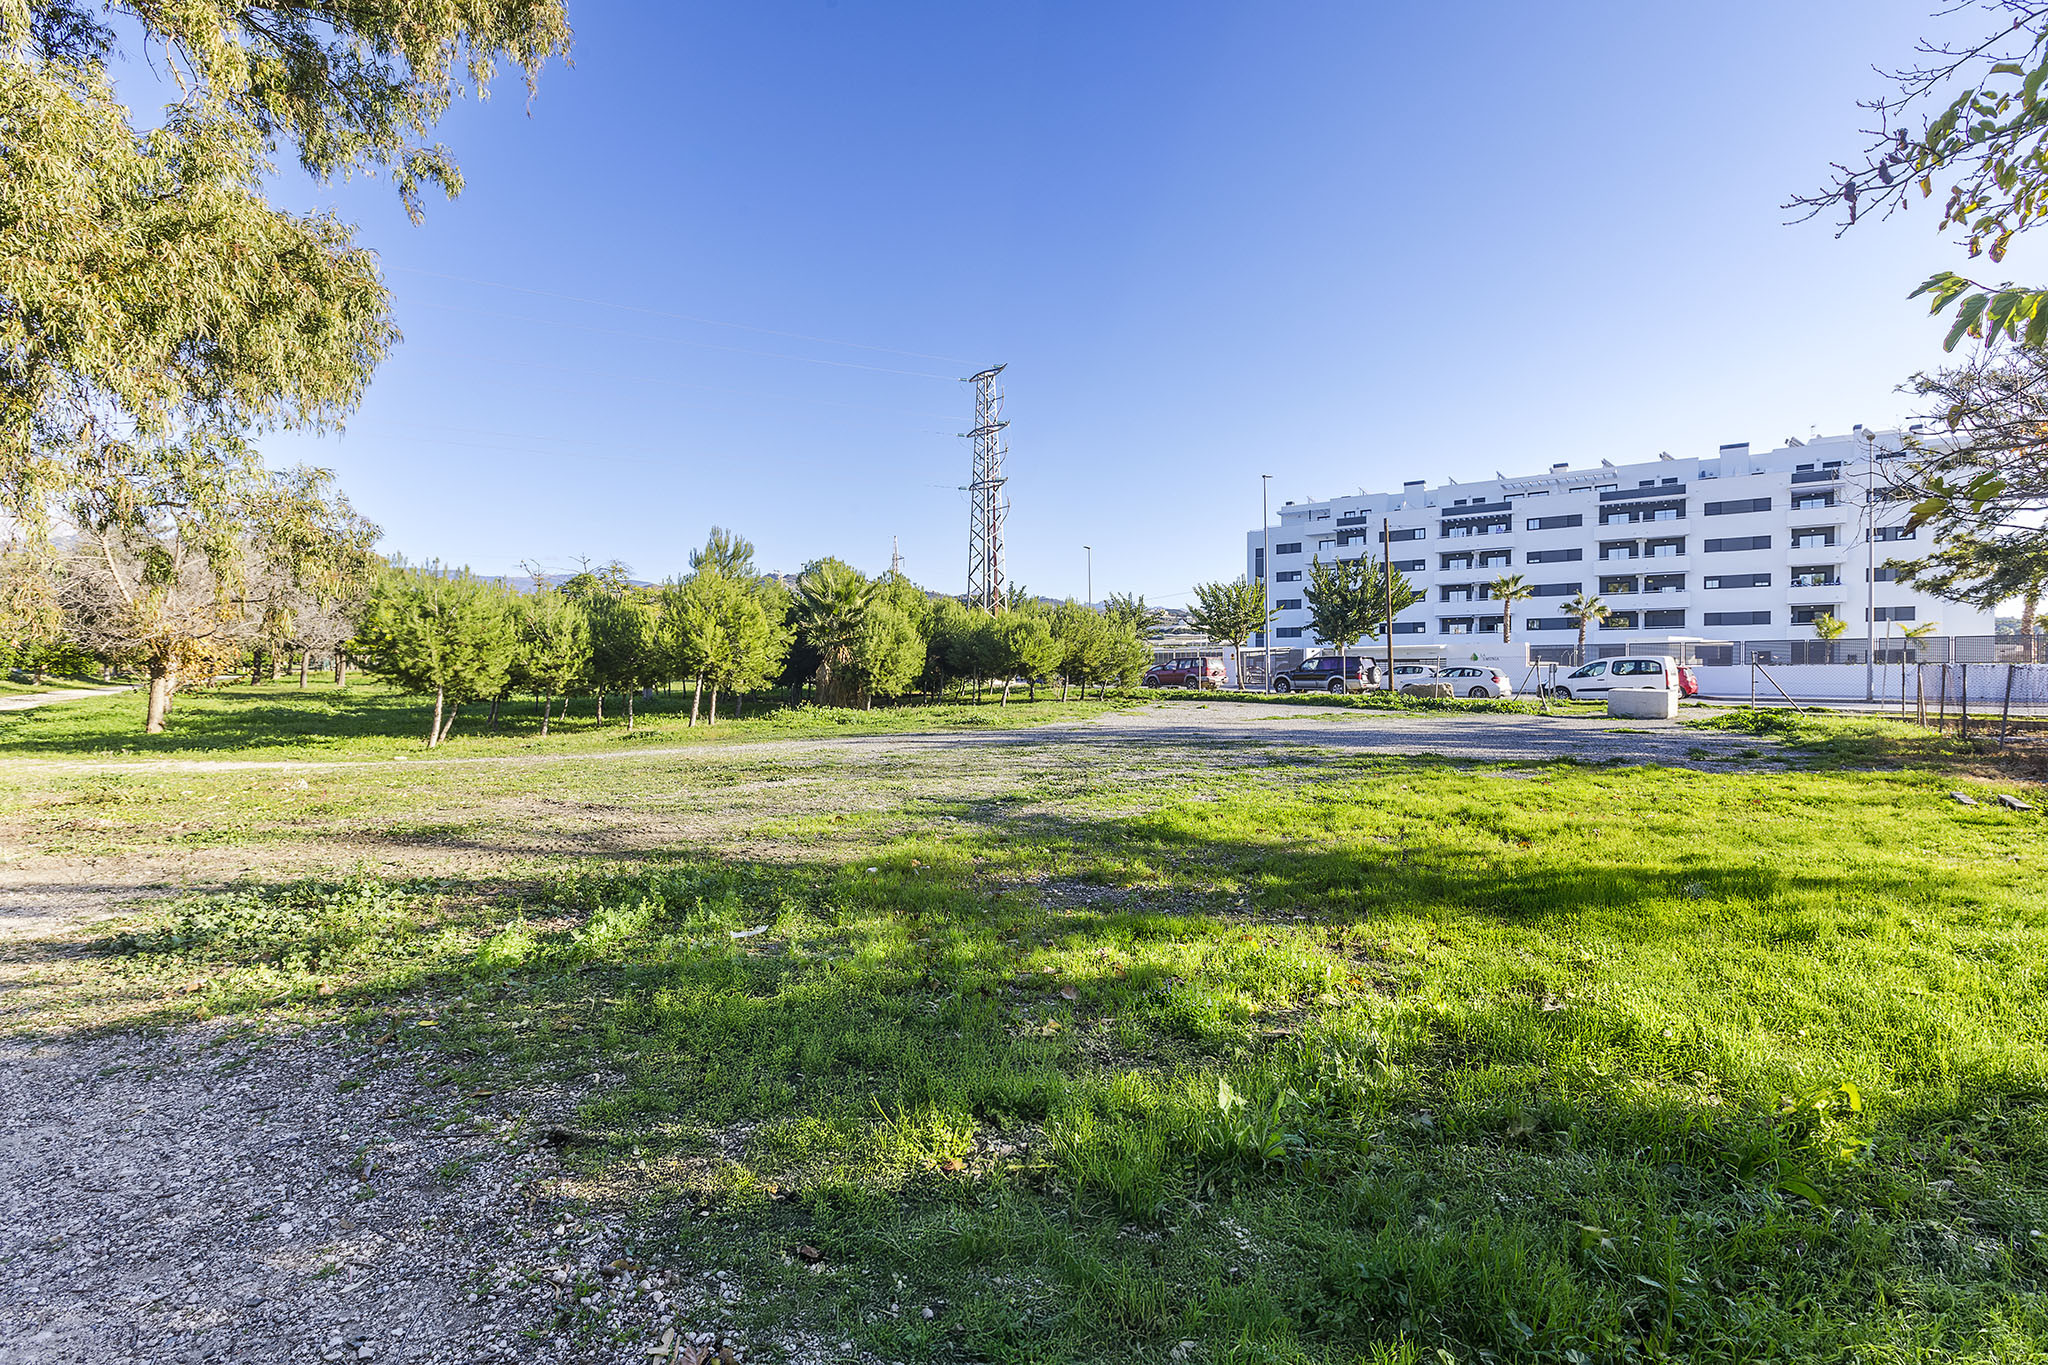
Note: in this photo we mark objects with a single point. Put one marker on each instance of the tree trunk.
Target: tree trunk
(629, 710)
(305, 665)
(453, 711)
(600, 706)
(1063, 687)
(276, 665)
(1006, 691)
(434, 729)
(547, 704)
(341, 668)
(493, 726)
(159, 699)
(714, 704)
(696, 699)
(2030, 603)
(255, 667)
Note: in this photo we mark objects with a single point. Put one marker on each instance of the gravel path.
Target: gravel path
(1463, 736)
(214, 1195)
(25, 701)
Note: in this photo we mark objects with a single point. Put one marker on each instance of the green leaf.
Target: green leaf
(1798, 1185)
(1967, 317)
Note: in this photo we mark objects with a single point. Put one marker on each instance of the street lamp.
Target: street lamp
(1265, 587)
(1870, 571)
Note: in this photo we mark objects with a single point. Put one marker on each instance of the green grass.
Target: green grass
(1850, 740)
(1340, 1060)
(370, 720)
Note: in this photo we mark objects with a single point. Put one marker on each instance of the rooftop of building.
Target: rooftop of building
(1731, 460)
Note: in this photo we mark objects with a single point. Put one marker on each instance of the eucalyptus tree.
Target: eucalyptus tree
(174, 543)
(147, 286)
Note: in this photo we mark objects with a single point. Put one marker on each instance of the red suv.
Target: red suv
(1205, 673)
(1321, 674)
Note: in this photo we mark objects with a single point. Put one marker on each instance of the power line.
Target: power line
(681, 317)
(678, 341)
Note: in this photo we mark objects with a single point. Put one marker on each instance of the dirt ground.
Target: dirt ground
(259, 1194)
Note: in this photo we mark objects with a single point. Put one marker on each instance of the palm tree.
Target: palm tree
(832, 600)
(1585, 610)
(1828, 628)
(1507, 590)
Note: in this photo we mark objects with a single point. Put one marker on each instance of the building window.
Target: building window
(1556, 589)
(1815, 576)
(1892, 614)
(1409, 566)
(1463, 561)
(1619, 620)
(1288, 604)
(1666, 549)
(1739, 580)
(1455, 592)
(1489, 624)
(1881, 575)
(1884, 533)
(1259, 562)
(1618, 549)
(1549, 623)
(1813, 538)
(1664, 620)
(1617, 585)
(1326, 544)
(1455, 625)
(1556, 523)
(1407, 533)
(1292, 547)
(1288, 632)
(1409, 627)
(1496, 559)
(1806, 616)
(1570, 556)
(1664, 582)
(1812, 502)
(1738, 618)
(1738, 506)
(1287, 576)
(1738, 543)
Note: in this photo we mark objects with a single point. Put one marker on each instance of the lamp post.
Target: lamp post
(1089, 550)
(1265, 586)
(1870, 571)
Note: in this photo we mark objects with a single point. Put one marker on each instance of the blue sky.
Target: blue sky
(729, 266)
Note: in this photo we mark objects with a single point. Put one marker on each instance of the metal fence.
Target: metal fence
(1895, 650)
(1997, 701)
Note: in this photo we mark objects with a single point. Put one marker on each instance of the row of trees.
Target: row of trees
(724, 628)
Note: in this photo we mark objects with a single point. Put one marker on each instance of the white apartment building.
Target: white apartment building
(1736, 547)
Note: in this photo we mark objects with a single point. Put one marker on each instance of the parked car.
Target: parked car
(1688, 685)
(1407, 673)
(1322, 674)
(1206, 673)
(1602, 676)
(1476, 680)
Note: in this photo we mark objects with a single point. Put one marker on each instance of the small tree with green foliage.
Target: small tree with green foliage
(453, 635)
(553, 658)
(1229, 614)
(1025, 649)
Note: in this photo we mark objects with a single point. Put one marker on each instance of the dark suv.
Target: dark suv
(1321, 674)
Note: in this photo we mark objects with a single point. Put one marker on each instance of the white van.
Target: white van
(1597, 679)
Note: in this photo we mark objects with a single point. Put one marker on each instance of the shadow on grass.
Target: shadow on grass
(1100, 1086)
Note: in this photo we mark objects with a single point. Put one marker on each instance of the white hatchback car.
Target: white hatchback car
(1408, 673)
(1602, 676)
(1468, 680)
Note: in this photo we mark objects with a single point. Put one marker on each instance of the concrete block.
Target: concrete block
(1643, 703)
